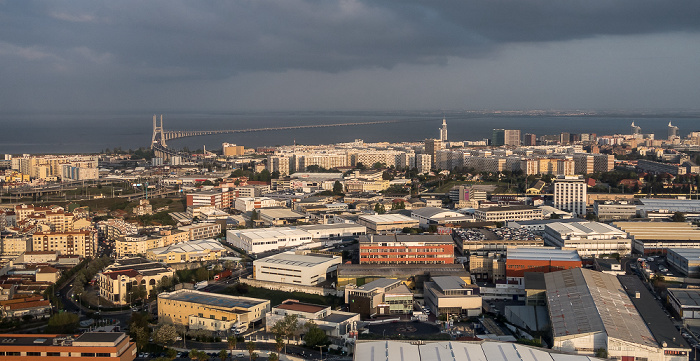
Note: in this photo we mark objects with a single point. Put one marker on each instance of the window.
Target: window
(87, 354)
(33, 353)
(102, 354)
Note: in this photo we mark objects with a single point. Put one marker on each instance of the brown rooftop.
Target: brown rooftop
(300, 307)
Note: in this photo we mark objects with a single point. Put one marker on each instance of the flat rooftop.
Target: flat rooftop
(280, 213)
(400, 270)
(212, 299)
(449, 282)
(691, 254)
(387, 218)
(380, 283)
(542, 253)
(660, 231)
(585, 229)
(405, 238)
(686, 296)
(299, 260)
(301, 306)
(509, 208)
(274, 232)
(311, 227)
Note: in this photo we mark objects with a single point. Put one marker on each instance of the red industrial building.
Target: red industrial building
(540, 259)
(406, 249)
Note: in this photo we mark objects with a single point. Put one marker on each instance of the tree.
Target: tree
(202, 274)
(279, 343)
(251, 349)
(398, 205)
(194, 355)
(223, 354)
(273, 357)
(601, 353)
(64, 322)
(286, 327)
(137, 293)
(232, 341)
(378, 165)
(171, 353)
(141, 336)
(678, 217)
(165, 335)
(337, 187)
(314, 335)
(554, 215)
(379, 208)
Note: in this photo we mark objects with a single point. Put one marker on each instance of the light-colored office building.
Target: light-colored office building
(611, 210)
(209, 311)
(588, 238)
(246, 204)
(570, 195)
(451, 295)
(303, 268)
(510, 213)
(267, 239)
(387, 223)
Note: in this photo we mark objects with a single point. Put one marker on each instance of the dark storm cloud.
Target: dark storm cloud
(171, 40)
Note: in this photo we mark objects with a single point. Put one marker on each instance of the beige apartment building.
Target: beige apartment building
(82, 243)
(15, 245)
(202, 230)
(134, 245)
(209, 311)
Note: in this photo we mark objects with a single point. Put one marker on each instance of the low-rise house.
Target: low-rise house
(333, 323)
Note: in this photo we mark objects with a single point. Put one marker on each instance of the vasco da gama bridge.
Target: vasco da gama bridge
(160, 135)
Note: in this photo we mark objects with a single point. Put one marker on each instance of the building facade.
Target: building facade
(570, 195)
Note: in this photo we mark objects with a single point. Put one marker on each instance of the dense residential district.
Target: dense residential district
(557, 247)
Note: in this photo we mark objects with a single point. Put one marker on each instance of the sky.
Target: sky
(262, 55)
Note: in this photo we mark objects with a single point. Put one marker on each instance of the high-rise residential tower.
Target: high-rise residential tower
(505, 137)
(443, 130)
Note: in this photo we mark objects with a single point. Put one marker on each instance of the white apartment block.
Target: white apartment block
(570, 195)
(279, 163)
(423, 163)
(327, 161)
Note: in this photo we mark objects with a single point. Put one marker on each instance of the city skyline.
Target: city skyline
(348, 55)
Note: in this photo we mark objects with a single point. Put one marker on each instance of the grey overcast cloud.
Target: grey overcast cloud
(349, 55)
